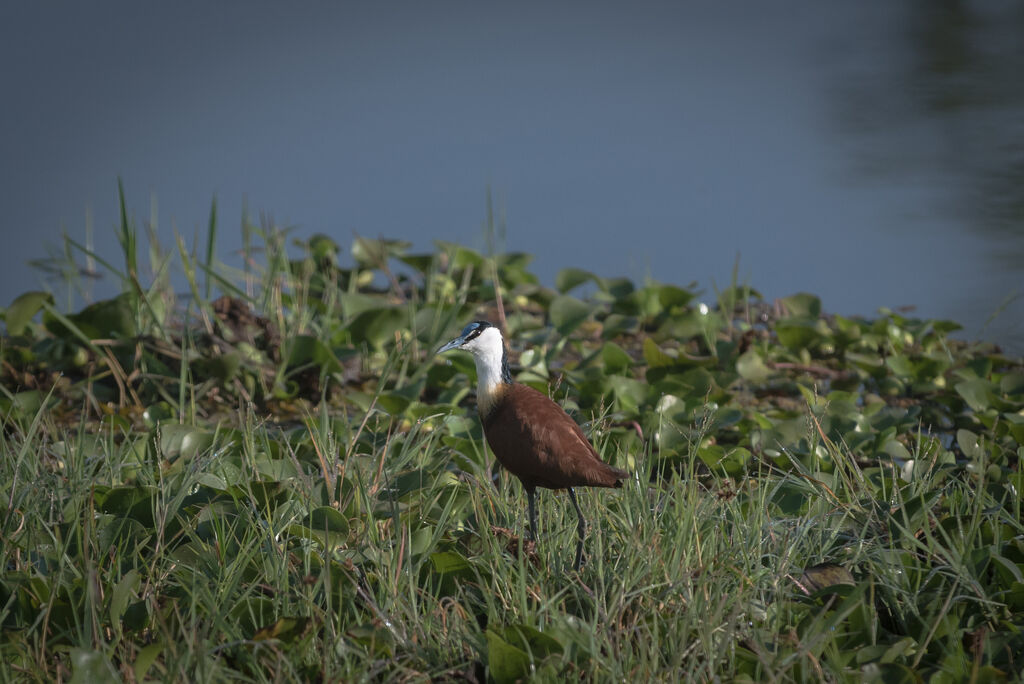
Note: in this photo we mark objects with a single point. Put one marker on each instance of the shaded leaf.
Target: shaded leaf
(567, 313)
(568, 278)
(505, 662)
(23, 309)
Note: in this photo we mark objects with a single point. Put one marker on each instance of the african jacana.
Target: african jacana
(531, 436)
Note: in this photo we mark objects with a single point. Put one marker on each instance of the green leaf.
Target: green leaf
(568, 278)
(615, 359)
(977, 393)
(375, 253)
(629, 393)
(538, 644)
(286, 630)
(969, 444)
(505, 662)
(1012, 383)
(147, 656)
(671, 297)
(655, 357)
(449, 562)
(567, 313)
(751, 367)
(23, 309)
(825, 575)
(323, 248)
(329, 519)
(91, 667)
(122, 593)
(798, 333)
(110, 318)
(378, 327)
(718, 459)
(802, 305)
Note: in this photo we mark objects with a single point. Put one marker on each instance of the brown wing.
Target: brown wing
(541, 445)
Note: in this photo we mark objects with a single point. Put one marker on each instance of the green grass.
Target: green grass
(288, 486)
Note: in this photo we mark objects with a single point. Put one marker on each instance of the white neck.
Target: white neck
(488, 370)
(488, 352)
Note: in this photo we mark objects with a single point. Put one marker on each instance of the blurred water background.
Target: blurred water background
(870, 152)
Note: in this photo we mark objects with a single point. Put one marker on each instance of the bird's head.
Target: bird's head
(479, 338)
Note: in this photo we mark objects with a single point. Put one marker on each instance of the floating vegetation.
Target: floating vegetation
(272, 478)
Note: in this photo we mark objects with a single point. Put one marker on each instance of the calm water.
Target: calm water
(871, 152)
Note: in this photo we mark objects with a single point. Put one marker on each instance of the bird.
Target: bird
(531, 436)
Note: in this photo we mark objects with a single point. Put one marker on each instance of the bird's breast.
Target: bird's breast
(490, 397)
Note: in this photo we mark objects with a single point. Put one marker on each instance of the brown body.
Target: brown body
(531, 436)
(535, 440)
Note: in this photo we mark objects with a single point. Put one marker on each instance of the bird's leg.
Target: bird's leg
(581, 529)
(531, 504)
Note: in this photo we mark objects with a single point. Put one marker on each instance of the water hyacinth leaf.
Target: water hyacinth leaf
(412, 481)
(157, 413)
(970, 444)
(122, 594)
(23, 405)
(801, 305)
(798, 333)
(355, 303)
(645, 302)
(751, 367)
(393, 403)
(895, 449)
(115, 532)
(183, 441)
(617, 324)
(128, 502)
(212, 481)
(450, 563)
(110, 318)
(718, 459)
(629, 393)
(286, 630)
(615, 359)
(531, 640)
(567, 313)
(977, 393)
(23, 309)
(306, 349)
(418, 262)
(824, 575)
(568, 278)
(505, 662)
(223, 367)
(262, 494)
(375, 253)
(617, 287)
(1012, 384)
(89, 667)
(685, 326)
(377, 327)
(1015, 426)
(253, 612)
(655, 357)
(460, 257)
(695, 383)
(322, 248)
(145, 659)
(672, 297)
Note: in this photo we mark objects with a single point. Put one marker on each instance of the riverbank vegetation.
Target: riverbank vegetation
(270, 477)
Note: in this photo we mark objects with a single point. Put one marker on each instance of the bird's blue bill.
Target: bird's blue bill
(461, 339)
(457, 342)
